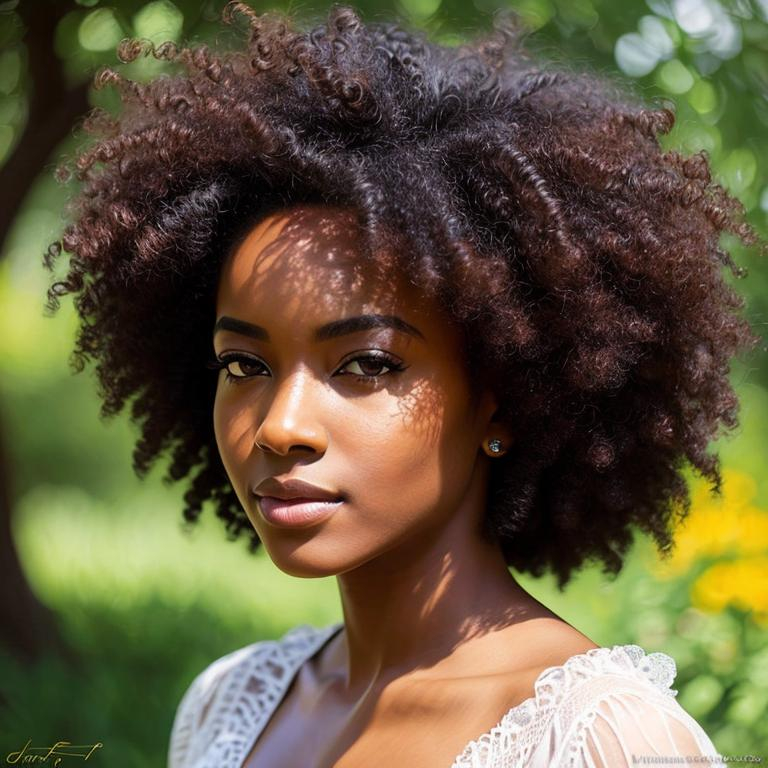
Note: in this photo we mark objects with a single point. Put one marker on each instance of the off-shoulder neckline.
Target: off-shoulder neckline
(658, 668)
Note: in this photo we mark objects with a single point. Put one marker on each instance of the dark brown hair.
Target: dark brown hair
(582, 260)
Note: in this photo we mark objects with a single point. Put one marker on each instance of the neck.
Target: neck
(416, 606)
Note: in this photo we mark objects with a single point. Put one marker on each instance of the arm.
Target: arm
(626, 729)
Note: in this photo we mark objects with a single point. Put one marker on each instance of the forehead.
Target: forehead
(309, 257)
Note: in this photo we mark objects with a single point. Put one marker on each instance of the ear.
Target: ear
(497, 437)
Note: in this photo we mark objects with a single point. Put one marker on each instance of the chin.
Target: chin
(297, 559)
(300, 572)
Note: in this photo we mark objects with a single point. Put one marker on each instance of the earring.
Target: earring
(495, 447)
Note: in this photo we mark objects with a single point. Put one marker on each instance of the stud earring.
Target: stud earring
(494, 445)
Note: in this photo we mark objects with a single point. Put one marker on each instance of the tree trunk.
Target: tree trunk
(28, 627)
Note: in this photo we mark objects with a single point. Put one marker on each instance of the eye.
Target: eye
(369, 364)
(237, 367)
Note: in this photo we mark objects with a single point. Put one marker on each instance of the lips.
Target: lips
(295, 489)
(296, 513)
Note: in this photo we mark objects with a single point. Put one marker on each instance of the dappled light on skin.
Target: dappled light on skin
(278, 277)
(334, 287)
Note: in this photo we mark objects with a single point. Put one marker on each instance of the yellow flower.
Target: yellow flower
(753, 535)
(738, 490)
(728, 525)
(742, 583)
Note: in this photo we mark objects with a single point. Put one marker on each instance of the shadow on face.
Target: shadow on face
(341, 373)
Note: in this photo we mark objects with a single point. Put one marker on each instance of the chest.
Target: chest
(427, 725)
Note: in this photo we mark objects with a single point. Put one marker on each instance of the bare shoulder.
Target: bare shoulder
(541, 641)
(520, 650)
(502, 667)
(552, 640)
(528, 649)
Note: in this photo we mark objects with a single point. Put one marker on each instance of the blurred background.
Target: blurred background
(109, 609)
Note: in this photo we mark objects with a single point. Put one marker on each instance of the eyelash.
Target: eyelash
(381, 357)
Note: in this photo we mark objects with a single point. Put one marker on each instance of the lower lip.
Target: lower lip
(296, 513)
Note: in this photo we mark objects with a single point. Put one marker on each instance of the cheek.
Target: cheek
(417, 456)
(233, 437)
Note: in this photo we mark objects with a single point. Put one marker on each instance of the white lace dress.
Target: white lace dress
(600, 709)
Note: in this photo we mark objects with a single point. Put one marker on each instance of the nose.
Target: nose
(291, 421)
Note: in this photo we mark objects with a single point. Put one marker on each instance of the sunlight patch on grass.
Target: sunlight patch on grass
(76, 549)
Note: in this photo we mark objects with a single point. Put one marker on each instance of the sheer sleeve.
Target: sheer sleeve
(626, 729)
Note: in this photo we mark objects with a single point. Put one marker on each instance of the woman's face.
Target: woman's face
(377, 413)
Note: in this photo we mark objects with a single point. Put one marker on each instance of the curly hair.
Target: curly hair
(581, 261)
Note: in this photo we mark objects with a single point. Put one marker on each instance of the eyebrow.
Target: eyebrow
(324, 332)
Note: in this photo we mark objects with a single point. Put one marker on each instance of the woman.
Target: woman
(462, 314)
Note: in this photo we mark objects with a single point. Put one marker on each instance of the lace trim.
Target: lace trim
(550, 688)
(247, 696)
(254, 687)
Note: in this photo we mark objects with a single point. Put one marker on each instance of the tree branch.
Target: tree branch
(53, 110)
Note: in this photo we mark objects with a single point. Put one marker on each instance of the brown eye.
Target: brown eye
(242, 368)
(370, 366)
(239, 367)
(367, 366)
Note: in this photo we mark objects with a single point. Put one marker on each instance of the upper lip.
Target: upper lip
(293, 488)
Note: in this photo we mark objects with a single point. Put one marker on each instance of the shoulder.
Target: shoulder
(618, 705)
(525, 655)
(211, 687)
